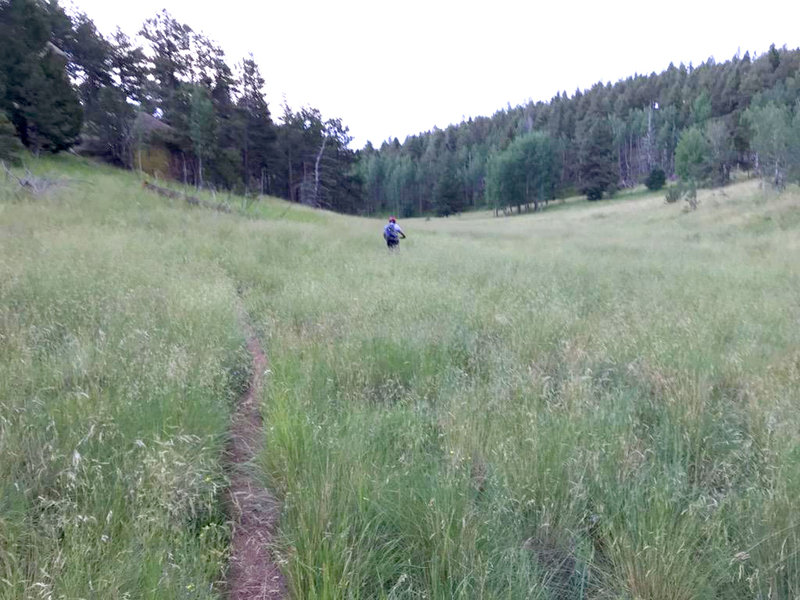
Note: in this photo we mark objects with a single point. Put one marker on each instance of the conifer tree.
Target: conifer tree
(10, 146)
(50, 115)
(598, 170)
(110, 119)
(257, 132)
(38, 96)
(202, 128)
(447, 193)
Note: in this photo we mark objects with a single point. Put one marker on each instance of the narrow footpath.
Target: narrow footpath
(252, 572)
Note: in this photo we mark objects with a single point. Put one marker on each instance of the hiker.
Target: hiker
(392, 233)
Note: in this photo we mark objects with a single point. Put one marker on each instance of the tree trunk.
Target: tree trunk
(316, 171)
(291, 198)
(247, 162)
(777, 173)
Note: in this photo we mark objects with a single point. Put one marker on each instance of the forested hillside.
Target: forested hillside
(694, 122)
(169, 102)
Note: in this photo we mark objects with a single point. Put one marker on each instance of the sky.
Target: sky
(392, 69)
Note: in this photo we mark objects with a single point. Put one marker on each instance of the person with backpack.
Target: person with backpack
(392, 233)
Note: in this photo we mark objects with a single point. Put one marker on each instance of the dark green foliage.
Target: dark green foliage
(314, 160)
(129, 66)
(598, 170)
(255, 128)
(37, 93)
(89, 57)
(647, 114)
(210, 126)
(656, 180)
(10, 146)
(110, 121)
(50, 116)
(170, 45)
(774, 57)
(202, 127)
(448, 193)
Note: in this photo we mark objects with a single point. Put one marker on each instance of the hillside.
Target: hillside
(168, 101)
(597, 401)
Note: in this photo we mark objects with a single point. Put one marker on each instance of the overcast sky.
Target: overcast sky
(392, 69)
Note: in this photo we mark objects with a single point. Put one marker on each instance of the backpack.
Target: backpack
(390, 233)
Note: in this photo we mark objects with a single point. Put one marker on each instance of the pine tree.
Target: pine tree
(129, 66)
(50, 115)
(598, 168)
(38, 96)
(10, 146)
(89, 57)
(110, 119)
(170, 69)
(447, 193)
(774, 57)
(656, 179)
(257, 133)
(202, 128)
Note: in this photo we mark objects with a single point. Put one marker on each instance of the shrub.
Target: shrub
(593, 193)
(656, 180)
(674, 194)
(685, 190)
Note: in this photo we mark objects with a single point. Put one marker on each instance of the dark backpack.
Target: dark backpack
(390, 233)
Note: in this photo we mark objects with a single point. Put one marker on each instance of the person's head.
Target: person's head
(392, 220)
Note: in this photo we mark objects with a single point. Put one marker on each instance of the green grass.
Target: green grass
(599, 402)
(120, 358)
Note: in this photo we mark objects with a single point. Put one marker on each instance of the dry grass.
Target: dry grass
(598, 401)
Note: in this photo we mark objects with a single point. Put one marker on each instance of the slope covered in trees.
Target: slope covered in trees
(63, 83)
(740, 113)
(170, 102)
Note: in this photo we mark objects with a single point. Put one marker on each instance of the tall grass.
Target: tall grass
(120, 358)
(598, 402)
(594, 404)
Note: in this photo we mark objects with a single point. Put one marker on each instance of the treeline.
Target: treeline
(697, 123)
(168, 101)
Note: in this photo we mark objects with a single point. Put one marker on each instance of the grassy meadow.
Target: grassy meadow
(598, 401)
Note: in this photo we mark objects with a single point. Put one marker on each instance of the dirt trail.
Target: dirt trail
(252, 572)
